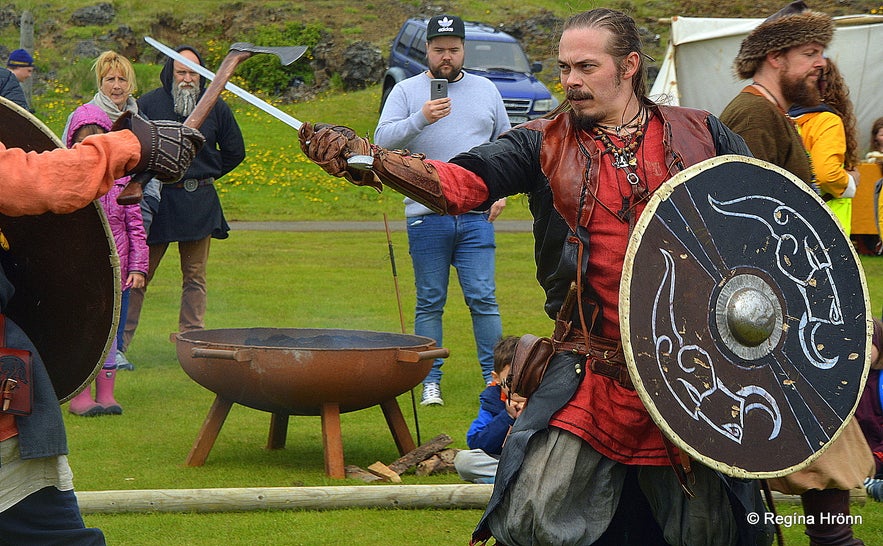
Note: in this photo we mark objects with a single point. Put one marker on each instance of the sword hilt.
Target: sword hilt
(133, 192)
(360, 162)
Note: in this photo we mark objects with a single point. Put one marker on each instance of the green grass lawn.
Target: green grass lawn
(298, 280)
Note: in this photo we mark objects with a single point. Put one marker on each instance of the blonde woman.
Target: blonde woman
(115, 78)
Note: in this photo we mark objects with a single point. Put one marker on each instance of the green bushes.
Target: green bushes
(264, 73)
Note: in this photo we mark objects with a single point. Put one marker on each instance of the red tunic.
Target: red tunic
(612, 419)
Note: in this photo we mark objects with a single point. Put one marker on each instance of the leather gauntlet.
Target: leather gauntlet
(330, 147)
(167, 147)
(411, 176)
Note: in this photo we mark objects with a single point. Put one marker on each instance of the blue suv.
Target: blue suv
(490, 53)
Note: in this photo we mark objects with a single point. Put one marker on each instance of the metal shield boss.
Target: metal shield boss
(65, 270)
(745, 317)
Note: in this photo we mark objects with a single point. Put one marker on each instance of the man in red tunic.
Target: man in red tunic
(584, 464)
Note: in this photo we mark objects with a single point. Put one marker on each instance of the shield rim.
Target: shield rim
(664, 191)
(113, 256)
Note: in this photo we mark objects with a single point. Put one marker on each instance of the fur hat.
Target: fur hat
(793, 25)
(20, 58)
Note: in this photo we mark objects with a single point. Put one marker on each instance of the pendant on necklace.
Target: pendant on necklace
(621, 161)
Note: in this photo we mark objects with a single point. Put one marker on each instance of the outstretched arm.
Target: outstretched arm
(64, 180)
(443, 187)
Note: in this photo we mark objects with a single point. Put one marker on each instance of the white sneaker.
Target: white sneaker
(874, 488)
(431, 395)
(122, 362)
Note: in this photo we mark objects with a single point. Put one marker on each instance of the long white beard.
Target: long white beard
(185, 98)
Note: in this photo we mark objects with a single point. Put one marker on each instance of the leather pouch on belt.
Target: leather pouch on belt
(409, 175)
(16, 377)
(532, 356)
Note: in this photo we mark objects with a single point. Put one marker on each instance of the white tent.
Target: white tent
(698, 67)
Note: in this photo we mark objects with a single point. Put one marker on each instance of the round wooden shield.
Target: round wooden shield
(65, 271)
(745, 317)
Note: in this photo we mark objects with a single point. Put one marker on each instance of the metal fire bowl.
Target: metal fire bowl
(295, 371)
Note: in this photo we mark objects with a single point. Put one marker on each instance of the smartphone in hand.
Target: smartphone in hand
(438, 88)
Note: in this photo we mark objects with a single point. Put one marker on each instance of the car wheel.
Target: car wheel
(384, 96)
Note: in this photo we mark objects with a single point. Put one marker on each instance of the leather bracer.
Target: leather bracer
(411, 176)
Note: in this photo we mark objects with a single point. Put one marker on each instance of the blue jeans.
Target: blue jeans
(467, 243)
(124, 311)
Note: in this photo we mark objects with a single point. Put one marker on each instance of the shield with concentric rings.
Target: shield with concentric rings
(745, 317)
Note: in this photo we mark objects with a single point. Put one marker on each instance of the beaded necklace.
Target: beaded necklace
(633, 123)
(622, 157)
(625, 158)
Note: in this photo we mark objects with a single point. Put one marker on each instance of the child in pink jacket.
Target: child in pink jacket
(127, 227)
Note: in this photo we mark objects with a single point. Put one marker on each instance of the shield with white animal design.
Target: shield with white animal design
(745, 317)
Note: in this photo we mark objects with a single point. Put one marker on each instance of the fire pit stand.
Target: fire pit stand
(332, 441)
(305, 372)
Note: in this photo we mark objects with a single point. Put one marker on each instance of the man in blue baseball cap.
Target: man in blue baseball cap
(21, 64)
(10, 80)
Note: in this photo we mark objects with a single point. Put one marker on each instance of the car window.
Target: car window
(418, 47)
(405, 41)
(500, 55)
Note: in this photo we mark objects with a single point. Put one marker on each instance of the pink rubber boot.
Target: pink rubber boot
(104, 392)
(83, 404)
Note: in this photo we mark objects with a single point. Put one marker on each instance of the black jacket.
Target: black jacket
(184, 215)
(11, 89)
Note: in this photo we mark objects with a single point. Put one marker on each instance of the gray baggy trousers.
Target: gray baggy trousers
(566, 493)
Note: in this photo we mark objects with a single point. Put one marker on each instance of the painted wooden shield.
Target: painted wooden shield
(65, 271)
(745, 317)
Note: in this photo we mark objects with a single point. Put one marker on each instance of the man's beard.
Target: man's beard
(185, 98)
(800, 92)
(583, 120)
(452, 77)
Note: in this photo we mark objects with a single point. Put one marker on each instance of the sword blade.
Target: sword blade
(236, 90)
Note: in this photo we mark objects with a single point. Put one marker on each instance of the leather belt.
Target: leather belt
(603, 355)
(192, 183)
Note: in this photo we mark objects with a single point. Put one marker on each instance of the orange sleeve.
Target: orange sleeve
(64, 180)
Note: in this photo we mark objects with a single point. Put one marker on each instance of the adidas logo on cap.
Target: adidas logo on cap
(445, 25)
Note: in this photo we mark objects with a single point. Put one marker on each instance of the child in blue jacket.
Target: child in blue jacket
(497, 411)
